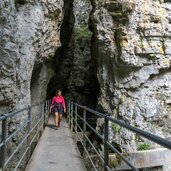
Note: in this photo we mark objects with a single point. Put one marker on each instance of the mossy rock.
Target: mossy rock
(116, 128)
(82, 32)
(114, 160)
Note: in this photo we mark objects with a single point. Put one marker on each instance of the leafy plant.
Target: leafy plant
(116, 128)
(82, 32)
(144, 146)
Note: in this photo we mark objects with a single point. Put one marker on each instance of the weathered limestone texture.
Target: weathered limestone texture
(29, 36)
(82, 11)
(132, 51)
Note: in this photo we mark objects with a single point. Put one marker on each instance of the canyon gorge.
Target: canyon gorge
(113, 56)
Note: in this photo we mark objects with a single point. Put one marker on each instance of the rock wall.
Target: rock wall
(131, 44)
(29, 36)
(129, 54)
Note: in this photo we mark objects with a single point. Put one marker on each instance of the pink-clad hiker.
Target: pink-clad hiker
(58, 107)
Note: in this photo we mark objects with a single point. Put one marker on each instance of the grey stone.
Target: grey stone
(134, 56)
(28, 37)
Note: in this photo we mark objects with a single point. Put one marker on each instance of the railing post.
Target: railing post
(70, 116)
(45, 112)
(47, 106)
(68, 111)
(4, 136)
(44, 106)
(76, 122)
(29, 123)
(84, 133)
(72, 105)
(49, 103)
(106, 148)
(28, 130)
(42, 115)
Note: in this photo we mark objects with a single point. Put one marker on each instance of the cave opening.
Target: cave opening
(41, 74)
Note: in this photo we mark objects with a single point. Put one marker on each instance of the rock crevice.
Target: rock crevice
(74, 66)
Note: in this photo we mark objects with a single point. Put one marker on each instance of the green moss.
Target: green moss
(114, 160)
(144, 146)
(119, 160)
(82, 32)
(116, 128)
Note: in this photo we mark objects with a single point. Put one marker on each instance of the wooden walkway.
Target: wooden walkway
(56, 151)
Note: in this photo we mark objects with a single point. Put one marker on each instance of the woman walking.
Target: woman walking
(58, 106)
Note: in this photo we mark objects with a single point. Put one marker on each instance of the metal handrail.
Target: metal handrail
(16, 131)
(161, 141)
(31, 132)
(72, 118)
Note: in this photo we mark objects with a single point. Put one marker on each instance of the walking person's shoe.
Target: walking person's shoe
(58, 124)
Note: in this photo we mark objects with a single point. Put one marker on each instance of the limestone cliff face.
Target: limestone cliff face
(29, 36)
(132, 50)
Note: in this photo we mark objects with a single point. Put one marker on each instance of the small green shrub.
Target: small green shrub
(116, 128)
(82, 32)
(144, 146)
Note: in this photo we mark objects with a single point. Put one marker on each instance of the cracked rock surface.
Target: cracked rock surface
(132, 51)
(29, 36)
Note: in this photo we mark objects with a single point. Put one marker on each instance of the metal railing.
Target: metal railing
(28, 130)
(73, 117)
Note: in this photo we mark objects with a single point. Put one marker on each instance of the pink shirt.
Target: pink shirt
(59, 99)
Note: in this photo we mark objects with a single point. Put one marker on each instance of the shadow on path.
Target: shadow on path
(51, 126)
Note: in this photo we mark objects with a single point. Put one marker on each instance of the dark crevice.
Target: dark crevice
(41, 74)
(75, 75)
(63, 57)
(34, 82)
(165, 1)
(20, 2)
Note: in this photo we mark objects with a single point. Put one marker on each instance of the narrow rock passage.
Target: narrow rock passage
(56, 151)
